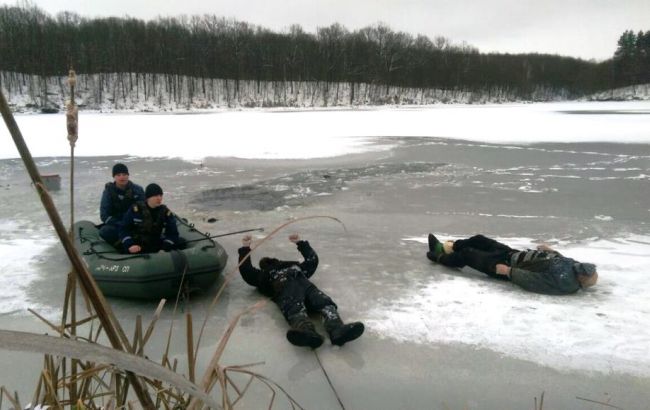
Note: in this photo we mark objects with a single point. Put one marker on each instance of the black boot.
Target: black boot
(303, 332)
(339, 332)
(435, 248)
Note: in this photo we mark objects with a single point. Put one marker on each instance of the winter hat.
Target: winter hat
(152, 190)
(586, 274)
(267, 264)
(584, 269)
(120, 169)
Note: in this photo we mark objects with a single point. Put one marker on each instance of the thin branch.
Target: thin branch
(599, 402)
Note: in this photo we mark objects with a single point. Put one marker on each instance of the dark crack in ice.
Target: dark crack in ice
(299, 188)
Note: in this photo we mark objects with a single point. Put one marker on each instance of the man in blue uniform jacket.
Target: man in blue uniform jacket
(149, 226)
(288, 284)
(117, 197)
(543, 270)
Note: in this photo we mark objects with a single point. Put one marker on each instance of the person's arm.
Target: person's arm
(138, 193)
(126, 233)
(249, 273)
(545, 248)
(538, 282)
(105, 207)
(170, 235)
(310, 263)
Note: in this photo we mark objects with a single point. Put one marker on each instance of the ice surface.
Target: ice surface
(309, 134)
(18, 250)
(607, 328)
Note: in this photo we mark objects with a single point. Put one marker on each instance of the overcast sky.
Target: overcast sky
(587, 29)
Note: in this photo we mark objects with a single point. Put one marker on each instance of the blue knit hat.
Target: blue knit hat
(152, 190)
(120, 169)
(584, 269)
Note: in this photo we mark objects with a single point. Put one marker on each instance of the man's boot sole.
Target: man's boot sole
(353, 332)
(304, 339)
(432, 257)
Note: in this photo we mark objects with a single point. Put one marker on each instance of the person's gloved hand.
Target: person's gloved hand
(246, 240)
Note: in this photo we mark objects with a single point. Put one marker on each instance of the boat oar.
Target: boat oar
(91, 252)
(235, 233)
(224, 234)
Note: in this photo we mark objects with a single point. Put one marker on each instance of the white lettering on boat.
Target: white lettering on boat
(110, 268)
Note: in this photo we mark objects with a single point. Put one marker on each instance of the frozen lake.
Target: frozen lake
(327, 133)
(575, 175)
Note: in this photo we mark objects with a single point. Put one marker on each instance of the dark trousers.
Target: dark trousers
(480, 253)
(110, 233)
(300, 297)
(155, 244)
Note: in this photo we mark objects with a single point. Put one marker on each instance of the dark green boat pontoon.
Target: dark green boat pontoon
(153, 275)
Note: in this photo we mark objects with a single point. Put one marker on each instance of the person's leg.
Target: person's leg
(151, 246)
(292, 306)
(477, 259)
(109, 233)
(482, 243)
(339, 332)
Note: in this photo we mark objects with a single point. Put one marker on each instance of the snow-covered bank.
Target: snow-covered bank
(309, 134)
(116, 92)
(629, 93)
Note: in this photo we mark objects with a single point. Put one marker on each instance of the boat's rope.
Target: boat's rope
(93, 251)
(327, 377)
(192, 228)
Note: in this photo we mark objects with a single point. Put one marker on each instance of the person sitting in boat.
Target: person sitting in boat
(541, 271)
(149, 226)
(117, 197)
(288, 284)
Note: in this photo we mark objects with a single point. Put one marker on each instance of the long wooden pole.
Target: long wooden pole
(111, 326)
(72, 125)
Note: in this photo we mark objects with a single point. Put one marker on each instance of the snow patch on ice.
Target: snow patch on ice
(604, 329)
(19, 250)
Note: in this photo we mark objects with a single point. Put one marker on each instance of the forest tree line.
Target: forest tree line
(632, 58)
(33, 42)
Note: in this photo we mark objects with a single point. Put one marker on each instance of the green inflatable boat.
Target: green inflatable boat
(154, 275)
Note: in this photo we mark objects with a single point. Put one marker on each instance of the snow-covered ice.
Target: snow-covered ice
(604, 329)
(609, 327)
(313, 133)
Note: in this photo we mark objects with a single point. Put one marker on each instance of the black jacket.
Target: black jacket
(116, 202)
(146, 226)
(271, 282)
(544, 272)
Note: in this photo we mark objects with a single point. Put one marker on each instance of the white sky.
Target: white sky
(587, 29)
